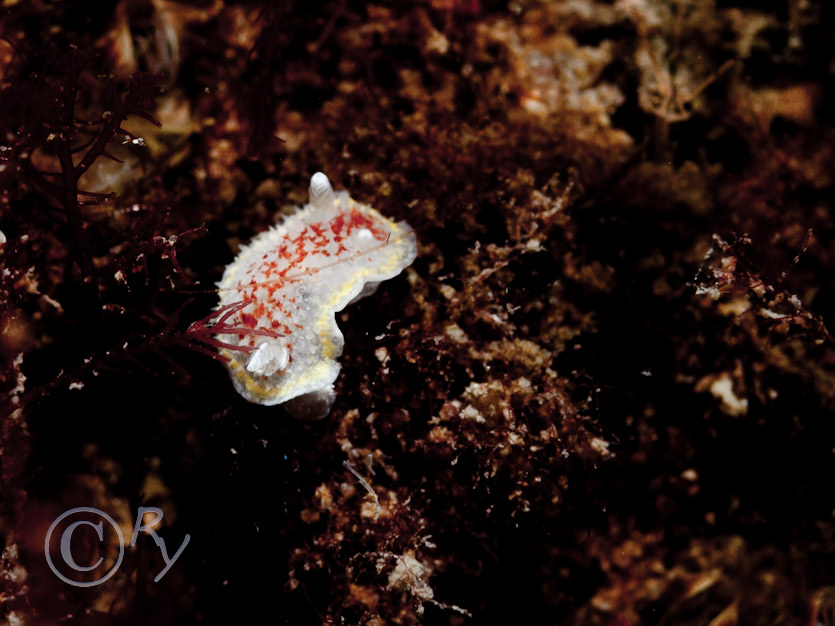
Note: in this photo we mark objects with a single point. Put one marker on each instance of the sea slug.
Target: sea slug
(281, 293)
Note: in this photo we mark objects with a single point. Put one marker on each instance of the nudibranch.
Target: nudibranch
(280, 295)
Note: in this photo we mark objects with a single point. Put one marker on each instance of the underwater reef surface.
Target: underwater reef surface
(603, 392)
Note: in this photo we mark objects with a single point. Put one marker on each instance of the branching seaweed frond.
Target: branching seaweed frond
(204, 332)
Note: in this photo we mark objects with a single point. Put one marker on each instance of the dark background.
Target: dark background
(602, 394)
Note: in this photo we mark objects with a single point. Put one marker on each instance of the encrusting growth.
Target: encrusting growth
(282, 291)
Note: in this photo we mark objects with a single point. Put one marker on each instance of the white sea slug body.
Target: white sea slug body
(283, 290)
